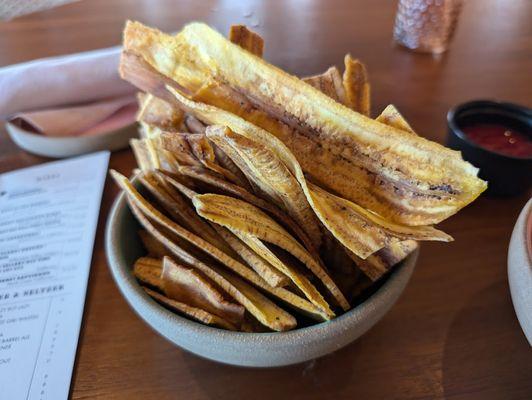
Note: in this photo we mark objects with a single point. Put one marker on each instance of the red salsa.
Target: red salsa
(500, 139)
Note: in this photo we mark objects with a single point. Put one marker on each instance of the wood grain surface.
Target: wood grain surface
(453, 334)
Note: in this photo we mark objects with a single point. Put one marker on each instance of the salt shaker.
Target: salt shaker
(426, 25)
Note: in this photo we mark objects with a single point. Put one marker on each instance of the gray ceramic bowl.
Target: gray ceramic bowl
(245, 349)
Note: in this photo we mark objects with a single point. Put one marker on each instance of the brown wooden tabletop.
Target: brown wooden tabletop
(453, 334)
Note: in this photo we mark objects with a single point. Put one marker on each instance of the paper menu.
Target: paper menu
(48, 218)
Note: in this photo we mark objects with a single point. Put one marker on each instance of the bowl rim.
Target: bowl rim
(457, 131)
(128, 286)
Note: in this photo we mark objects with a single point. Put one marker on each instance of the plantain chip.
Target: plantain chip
(329, 83)
(274, 179)
(356, 85)
(179, 147)
(142, 154)
(158, 113)
(195, 313)
(139, 206)
(331, 210)
(194, 125)
(204, 152)
(191, 287)
(152, 245)
(259, 265)
(259, 306)
(245, 219)
(229, 188)
(377, 264)
(148, 271)
(247, 39)
(392, 117)
(180, 211)
(403, 177)
(300, 281)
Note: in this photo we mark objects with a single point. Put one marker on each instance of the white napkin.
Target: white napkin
(77, 91)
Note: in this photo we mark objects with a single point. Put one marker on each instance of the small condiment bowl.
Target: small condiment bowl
(506, 175)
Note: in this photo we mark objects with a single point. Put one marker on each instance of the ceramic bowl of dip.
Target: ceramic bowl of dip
(497, 138)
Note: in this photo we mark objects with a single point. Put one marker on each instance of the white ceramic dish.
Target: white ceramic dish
(123, 247)
(520, 269)
(60, 147)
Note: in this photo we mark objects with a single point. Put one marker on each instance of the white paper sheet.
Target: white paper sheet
(48, 218)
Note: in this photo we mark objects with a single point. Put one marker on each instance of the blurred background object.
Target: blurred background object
(10, 9)
(426, 25)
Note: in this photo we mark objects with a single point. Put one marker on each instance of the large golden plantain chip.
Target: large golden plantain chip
(228, 188)
(139, 206)
(361, 231)
(274, 179)
(377, 264)
(148, 271)
(356, 85)
(392, 117)
(259, 265)
(401, 176)
(329, 83)
(158, 113)
(152, 245)
(247, 39)
(243, 218)
(331, 210)
(195, 313)
(191, 287)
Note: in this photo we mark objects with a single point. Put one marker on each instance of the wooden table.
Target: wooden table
(453, 334)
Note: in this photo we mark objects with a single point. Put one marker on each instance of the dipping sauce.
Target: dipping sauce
(500, 139)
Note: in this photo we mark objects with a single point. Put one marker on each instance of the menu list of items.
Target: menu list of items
(48, 218)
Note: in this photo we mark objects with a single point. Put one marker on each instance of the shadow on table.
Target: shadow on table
(486, 354)
(328, 375)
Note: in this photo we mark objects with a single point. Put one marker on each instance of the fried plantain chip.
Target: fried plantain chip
(247, 39)
(191, 287)
(195, 313)
(356, 85)
(142, 154)
(392, 117)
(259, 265)
(331, 210)
(361, 231)
(148, 271)
(204, 153)
(329, 83)
(158, 113)
(403, 177)
(152, 245)
(300, 281)
(136, 201)
(194, 125)
(179, 147)
(180, 211)
(377, 264)
(274, 179)
(259, 306)
(229, 188)
(243, 218)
